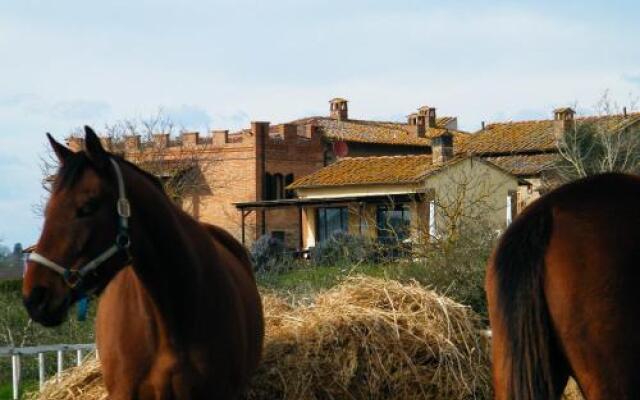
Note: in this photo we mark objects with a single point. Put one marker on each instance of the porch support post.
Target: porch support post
(242, 214)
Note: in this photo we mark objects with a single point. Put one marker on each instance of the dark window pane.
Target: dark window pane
(331, 220)
(393, 223)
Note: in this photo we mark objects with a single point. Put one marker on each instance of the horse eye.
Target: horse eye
(88, 208)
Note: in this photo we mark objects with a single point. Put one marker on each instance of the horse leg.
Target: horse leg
(158, 384)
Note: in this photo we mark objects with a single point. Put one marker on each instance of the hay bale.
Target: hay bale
(83, 382)
(572, 391)
(364, 339)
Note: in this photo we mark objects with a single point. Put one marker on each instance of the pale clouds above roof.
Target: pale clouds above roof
(281, 60)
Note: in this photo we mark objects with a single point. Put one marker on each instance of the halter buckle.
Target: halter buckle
(123, 240)
(124, 209)
(72, 277)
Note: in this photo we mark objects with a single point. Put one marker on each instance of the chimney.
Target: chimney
(430, 115)
(338, 109)
(160, 140)
(624, 111)
(482, 125)
(442, 148)
(418, 123)
(563, 120)
(189, 139)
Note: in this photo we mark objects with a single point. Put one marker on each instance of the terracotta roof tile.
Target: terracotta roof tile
(372, 170)
(524, 164)
(532, 136)
(378, 132)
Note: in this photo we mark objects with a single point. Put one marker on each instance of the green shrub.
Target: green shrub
(269, 255)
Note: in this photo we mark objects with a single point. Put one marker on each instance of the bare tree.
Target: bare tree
(607, 142)
(155, 144)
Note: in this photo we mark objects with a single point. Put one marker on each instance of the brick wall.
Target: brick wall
(292, 151)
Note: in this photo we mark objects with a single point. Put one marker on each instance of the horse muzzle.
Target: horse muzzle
(43, 307)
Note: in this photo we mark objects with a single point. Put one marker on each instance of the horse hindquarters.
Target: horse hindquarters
(593, 277)
(526, 362)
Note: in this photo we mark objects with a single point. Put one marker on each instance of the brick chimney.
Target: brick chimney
(338, 109)
(430, 115)
(442, 148)
(418, 123)
(563, 120)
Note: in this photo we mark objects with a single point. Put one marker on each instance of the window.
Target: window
(288, 180)
(275, 184)
(393, 223)
(269, 193)
(331, 220)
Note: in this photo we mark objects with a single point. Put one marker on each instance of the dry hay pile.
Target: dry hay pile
(364, 339)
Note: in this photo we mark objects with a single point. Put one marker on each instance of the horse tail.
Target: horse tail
(519, 278)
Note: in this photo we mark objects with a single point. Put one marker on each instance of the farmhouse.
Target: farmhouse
(409, 198)
(528, 148)
(258, 163)
(294, 179)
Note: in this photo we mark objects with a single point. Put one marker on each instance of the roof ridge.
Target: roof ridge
(578, 117)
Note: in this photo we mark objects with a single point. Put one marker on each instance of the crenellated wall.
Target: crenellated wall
(232, 167)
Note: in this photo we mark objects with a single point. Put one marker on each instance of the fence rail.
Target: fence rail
(17, 352)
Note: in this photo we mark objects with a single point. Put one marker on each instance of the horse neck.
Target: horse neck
(165, 258)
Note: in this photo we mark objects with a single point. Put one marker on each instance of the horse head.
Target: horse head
(84, 240)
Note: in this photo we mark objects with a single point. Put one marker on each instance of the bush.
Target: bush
(342, 248)
(456, 266)
(269, 254)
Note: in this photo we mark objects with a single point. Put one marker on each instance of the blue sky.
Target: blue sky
(220, 64)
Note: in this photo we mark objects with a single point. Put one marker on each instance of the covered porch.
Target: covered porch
(393, 217)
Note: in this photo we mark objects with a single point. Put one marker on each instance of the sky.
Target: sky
(220, 64)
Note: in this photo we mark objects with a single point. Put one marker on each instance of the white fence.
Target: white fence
(39, 351)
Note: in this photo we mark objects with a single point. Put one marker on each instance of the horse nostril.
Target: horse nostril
(37, 300)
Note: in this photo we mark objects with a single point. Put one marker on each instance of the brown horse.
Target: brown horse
(564, 293)
(180, 315)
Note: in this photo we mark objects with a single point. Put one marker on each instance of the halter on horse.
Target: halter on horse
(73, 277)
(179, 316)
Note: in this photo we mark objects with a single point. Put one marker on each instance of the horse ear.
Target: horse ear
(62, 152)
(93, 148)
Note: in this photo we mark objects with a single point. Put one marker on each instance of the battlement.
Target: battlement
(278, 135)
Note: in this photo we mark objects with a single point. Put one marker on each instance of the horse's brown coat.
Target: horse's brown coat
(564, 294)
(183, 320)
